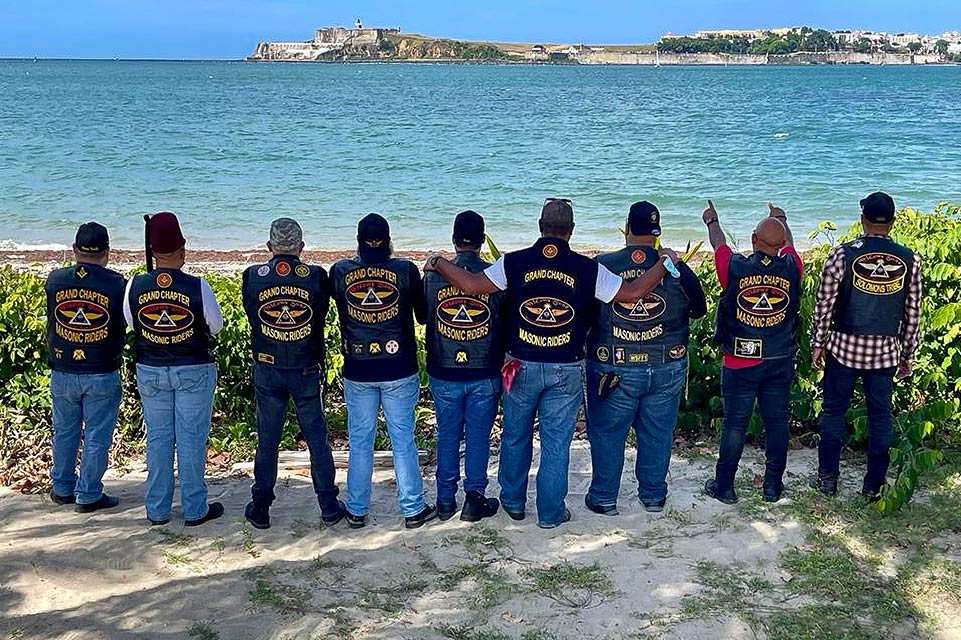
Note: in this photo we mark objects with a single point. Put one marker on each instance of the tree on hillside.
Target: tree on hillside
(914, 47)
(941, 46)
(862, 45)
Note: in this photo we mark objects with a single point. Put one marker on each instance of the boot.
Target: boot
(477, 507)
(826, 483)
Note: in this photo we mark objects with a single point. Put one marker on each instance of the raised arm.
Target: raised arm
(474, 284)
(777, 212)
(634, 290)
(715, 234)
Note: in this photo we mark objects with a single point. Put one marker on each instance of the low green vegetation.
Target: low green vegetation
(929, 414)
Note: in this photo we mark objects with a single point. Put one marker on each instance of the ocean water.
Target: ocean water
(231, 145)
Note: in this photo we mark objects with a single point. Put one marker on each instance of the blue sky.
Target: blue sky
(229, 28)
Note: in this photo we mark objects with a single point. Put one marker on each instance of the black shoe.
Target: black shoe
(446, 510)
(355, 522)
(772, 488)
(62, 500)
(654, 507)
(515, 515)
(258, 515)
(871, 496)
(427, 514)
(601, 509)
(727, 497)
(330, 518)
(105, 502)
(214, 511)
(158, 523)
(826, 483)
(566, 518)
(477, 506)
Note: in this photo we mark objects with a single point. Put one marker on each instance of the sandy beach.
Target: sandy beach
(638, 575)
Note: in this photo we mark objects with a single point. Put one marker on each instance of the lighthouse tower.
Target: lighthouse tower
(358, 24)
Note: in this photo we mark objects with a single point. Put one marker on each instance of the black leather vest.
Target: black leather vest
(376, 321)
(875, 287)
(654, 330)
(465, 340)
(170, 329)
(85, 324)
(286, 304)
(550, 301)
(757, 317)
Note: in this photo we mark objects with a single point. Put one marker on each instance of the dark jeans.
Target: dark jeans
(769, 384)
(272, 388)
(839, 381)
(646, 399)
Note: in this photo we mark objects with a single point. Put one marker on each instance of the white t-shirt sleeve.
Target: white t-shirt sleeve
(212, 313)
(496, 274)
(607, 285)
(128, 316)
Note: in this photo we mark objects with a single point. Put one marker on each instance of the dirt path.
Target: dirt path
(698, 570)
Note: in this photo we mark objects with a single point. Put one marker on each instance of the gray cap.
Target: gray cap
(285, 235)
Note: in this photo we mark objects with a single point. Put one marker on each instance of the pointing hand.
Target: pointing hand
(710, 214)
(776, 212)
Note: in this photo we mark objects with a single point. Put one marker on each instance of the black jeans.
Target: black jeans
(768, 383)
(839, 381)
(272, 388)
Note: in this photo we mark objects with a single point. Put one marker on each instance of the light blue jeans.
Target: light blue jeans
(177, 405)
(364, 400)
(555, 393)
(465, 411)
(85, 405)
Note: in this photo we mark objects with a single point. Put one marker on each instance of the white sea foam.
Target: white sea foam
(12, 245)
(782, 134)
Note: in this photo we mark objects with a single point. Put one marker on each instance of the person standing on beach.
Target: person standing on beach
(85, 339)
(550, 298)
(286, 303)
(465, 351)
(757, 325)
(867, 320)
(174, 317)
(637, 368)
(378, 297)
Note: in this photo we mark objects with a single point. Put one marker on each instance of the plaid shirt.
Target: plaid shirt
(864, 352)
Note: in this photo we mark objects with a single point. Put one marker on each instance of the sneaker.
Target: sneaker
(601, 509)
(214, 511)
(654, 507)
(515, 515)
(332, 517)
(566, 518)
(727, 497)
(105, 502)
(446, 510)
(355, 522)
(477, 506)
(826, 483)
(62, 500)
(428, 513)
(158, 523)
(258, 515)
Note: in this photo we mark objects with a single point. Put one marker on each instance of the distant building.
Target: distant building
(327, 41)
(904, 39)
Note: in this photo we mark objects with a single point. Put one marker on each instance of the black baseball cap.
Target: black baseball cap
(373, 230)
(92, 238)
(468, 229)
(878, 207)
(644, 219)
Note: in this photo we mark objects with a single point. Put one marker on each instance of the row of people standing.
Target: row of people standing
(540, 305)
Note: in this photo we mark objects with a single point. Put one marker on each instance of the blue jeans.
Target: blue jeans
(177, 405)
(768, 383)
(273, 388)
(465, 411)
(555, 393)
(364, 400)
(839, 381)
(647, 398)
(84, 405)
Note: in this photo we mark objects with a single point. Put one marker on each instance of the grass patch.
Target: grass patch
(175, 538)
(493, 586)
(202, 631)
(482, 540)
(175, 558)
(392, 598)
(570, 584)
(283, 598)
(465, 632)
(249, 547)
(817, 622)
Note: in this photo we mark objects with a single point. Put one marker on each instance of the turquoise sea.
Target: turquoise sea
(231, 145)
